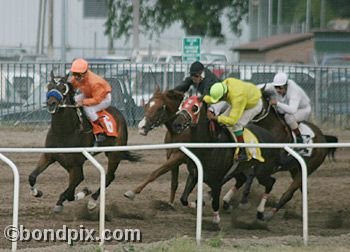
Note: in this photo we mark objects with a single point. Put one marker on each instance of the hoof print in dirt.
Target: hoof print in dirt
(335, 221)
(210, 226)
(162, 205)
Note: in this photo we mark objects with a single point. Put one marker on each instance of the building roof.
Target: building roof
(273, 42)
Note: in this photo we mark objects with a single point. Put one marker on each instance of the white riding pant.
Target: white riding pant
(219, 108)
(91, 111)
(247, 116)
(301, 115)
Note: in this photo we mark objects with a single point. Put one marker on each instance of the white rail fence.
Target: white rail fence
(183, 147)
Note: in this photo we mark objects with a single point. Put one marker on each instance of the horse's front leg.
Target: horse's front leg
(174, 160)
(75, 177)
(240, 180)
(216, 190)
(287, 196)
(190, 184)
(44, 162)
(174, 184)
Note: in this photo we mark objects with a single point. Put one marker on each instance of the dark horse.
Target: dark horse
(161, 109)
(217, 162)
(71, 128)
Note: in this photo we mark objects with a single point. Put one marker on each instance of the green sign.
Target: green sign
(191, 49)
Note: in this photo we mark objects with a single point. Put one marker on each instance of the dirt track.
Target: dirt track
(329, 205)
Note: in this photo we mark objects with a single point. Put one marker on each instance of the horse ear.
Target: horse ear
(157, 90)
(52, 75)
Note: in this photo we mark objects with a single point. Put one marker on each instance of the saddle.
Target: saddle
(249, 137)
(107, 124)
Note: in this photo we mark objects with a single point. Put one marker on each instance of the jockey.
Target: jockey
(95, 94)
(245, 101)
(199, 83)
(292, 101)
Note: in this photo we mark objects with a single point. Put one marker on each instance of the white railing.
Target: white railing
(183, 147)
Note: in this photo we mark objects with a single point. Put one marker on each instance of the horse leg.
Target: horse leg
(174, 183)
(215, 204)
(44, 162)
(175, 160)
(114, 159)
(268, 182)
(75, 177)
(246, 190)
(240, 180)
(190, 184)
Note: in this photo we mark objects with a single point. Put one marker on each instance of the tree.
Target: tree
(197, 17)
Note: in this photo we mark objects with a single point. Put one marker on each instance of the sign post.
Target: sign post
(191, 49)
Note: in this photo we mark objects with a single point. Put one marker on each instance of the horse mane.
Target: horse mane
(171, 98)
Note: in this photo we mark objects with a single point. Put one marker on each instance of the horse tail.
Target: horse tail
(131, 156)
(331, 151)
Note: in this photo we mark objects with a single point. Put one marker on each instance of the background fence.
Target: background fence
(23, 93)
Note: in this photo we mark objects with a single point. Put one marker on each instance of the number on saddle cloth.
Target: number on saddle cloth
(108, 123)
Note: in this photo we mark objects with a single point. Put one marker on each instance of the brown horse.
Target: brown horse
(271, 120)
(161, 109)
(71, 128)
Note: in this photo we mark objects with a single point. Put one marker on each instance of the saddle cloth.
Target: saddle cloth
(254, 152)
(308, 135)
(108, 123)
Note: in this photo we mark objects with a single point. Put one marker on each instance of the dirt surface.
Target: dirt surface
(328, 187)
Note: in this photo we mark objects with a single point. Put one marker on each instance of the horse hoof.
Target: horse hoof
(92, 204)
(268, 216)
(192, 205)
(226, 206)
(244, 206)
(260, 216)
(130, 195)
(216, 219)
(86, 191)
(36, 193)
(58, 208)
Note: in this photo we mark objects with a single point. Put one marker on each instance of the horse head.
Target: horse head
(59, 92)
(159, 109)
(188, 114)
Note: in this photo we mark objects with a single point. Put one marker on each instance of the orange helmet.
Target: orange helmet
(79, 66)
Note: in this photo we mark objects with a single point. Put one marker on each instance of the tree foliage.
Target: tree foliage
(197, 17)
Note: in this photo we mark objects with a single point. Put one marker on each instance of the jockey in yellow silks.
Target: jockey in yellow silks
(245, 101)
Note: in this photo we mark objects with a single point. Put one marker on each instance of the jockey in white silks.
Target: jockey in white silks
(291, 101)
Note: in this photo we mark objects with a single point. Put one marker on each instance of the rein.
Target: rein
(263, 114)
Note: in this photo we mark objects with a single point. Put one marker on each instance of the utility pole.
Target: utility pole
(269, 21)
(308, 15)
(50, 31)
(40, 21)
(63, 31)
(323, 14)
(136, 23)
(279, 16)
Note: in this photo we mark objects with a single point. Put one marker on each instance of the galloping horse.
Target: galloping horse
(217, 162)
(161, 109)
(71, 128)
(271, 120)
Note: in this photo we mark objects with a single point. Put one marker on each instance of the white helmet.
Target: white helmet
(280, 79)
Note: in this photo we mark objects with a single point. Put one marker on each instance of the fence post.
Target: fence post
(15, 198)
(199, 192)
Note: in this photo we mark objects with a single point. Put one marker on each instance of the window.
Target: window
(95, 9)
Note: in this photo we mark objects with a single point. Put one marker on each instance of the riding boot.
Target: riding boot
(97, 129)
(299, 139)
(242, 154)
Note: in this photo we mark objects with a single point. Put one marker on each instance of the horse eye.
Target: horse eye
(195, 109)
